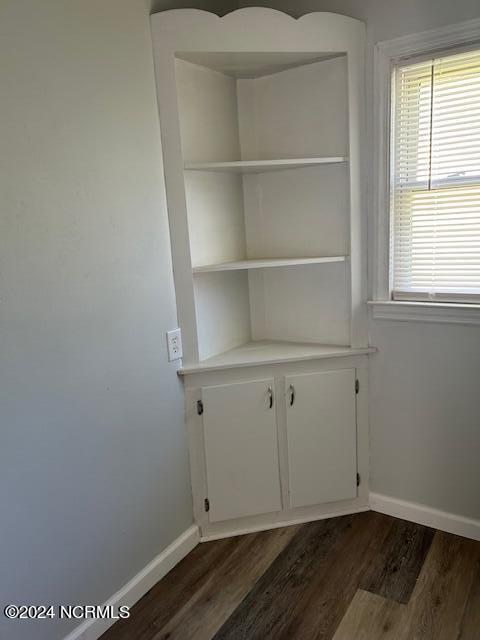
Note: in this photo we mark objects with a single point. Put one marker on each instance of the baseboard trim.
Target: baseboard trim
(138, 586)
(421, 514)
(240, 531)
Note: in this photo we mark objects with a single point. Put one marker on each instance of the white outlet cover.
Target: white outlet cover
(174, 345)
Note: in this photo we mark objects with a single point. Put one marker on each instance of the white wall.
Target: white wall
(93, 466)
(424, 404)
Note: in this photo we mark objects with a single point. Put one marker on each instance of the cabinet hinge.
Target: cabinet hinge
(206, 504)
(199, 407)
(358, 479)
(357, 386)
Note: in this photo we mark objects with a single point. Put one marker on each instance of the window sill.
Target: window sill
(406, 311)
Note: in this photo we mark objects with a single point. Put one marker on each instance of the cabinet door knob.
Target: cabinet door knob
(270, 397)
(292, 394)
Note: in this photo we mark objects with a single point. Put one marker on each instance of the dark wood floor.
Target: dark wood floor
(359, 577)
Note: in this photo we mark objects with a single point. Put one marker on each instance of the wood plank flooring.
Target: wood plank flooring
(362, 577)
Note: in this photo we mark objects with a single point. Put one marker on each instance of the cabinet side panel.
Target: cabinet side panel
(207, 105)
(358, 209)
(215, 217)
(176, 202)
(223, 311)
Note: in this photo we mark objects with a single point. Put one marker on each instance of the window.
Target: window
(435, 179)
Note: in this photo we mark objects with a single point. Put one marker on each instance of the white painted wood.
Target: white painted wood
(282, 437)
(314, 517)
(272, 352)
(196, 453)
(207, 104)
(256, 289)
(208, 121)
(451, 35)
(241, 449)
(223, 312)
(260, 30)
(195, 380)
(297, 213)
(305, 304)
(300, 112)
(200, 377)
(422, 514)
(363, 433)
(262, 166)
(257, 85)
(205, 200)
(138, 586)
(322, 440)
(252, 64)
(176, 201)
(436, 312)
(266, 264)
(380, 194)
(215, 217)
(358, 222)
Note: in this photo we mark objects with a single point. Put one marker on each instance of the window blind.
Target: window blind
(435, 179)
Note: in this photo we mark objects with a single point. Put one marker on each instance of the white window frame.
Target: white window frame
(386, 55)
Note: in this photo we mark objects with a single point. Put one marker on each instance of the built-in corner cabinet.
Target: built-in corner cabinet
(262, 126)
(241, 445)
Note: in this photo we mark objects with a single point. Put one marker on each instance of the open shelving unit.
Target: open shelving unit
(262, 166)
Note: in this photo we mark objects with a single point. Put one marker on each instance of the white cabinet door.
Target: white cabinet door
(241, 449)
(321, 435)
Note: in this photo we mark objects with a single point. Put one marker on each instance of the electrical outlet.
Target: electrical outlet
(174, 344)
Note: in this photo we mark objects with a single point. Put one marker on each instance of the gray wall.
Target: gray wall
(216, 6)
(93, 464)
(385, 19)
(425, 416)
(424, 387)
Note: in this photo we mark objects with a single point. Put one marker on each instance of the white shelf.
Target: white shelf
(266, 263)
(272, 352)
(260, 166)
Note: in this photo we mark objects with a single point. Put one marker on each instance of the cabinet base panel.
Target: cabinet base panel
(217, 531)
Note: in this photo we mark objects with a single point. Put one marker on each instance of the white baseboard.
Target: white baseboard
(138, 586)
(421, 514)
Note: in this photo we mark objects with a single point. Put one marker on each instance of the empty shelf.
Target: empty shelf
(260, 166)
(273, 352)
(266, 263)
